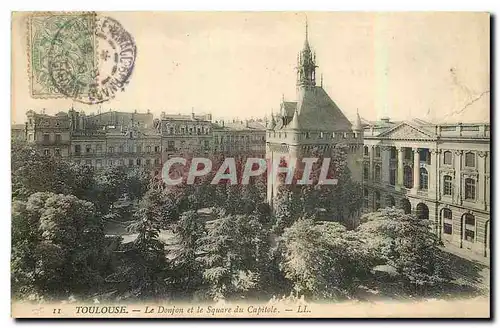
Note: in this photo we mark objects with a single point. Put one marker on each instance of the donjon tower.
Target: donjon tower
(313, 122)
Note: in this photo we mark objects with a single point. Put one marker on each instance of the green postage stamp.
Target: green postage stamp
(81, 56)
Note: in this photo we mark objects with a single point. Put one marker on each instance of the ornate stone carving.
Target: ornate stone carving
(458, 152)
(406, 132)
(482, 153)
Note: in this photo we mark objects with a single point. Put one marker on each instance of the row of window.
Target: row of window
(247, 138)
(121, 162)
(470, 158)
(469, 183)
(120, 149)
(320, 135)
(188, 130)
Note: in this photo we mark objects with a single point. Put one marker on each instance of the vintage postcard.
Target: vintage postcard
(250, 165)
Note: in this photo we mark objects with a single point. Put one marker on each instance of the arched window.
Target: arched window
(424, 179)
(470, 227)
(447, 157)
(366, 151)
(408, 177)
(470, 189)
(470, 160)
(377, 176)
(377, 151)
(447, 221)
(447, 185)
(366, 171)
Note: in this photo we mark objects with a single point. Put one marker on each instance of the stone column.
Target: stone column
(433, 176)
(416, 168)
(457, 177)
(371, 150)
(400, 174)
(386, 163)
(481, 183)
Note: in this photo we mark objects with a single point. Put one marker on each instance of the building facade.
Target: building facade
(439, 172)
(312, 123)
(133, 139)
(240, 137)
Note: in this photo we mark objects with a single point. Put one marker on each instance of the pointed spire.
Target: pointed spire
(272, 122)
(294, 124)
(358, 126)
(307, 34)
(321, 80)
(307, 64)
(306, 41)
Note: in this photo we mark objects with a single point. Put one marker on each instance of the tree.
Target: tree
(406, 243)
(57, 246)
(287, 209)
(338, 202)
(138, 183)
(33, 172)
(322, 259)
(231, 253)
(111, 183)
(144, 270)
(187, 270)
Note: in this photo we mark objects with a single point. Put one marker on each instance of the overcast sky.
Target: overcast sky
(401, 65)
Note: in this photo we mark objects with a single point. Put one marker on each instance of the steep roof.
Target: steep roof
(288, 108)
(317, 111)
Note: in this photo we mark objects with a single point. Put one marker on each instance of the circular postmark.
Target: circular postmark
(91, 58)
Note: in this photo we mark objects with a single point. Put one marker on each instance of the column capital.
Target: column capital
(459, 152)
(434, 151)
(400, 149)
(482, 153)
(416, 150)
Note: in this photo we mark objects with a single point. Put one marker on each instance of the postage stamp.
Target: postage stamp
(81, 56)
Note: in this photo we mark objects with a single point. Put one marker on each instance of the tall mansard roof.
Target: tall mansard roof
(317, 111)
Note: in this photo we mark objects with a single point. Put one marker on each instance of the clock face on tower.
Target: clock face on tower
(279, 123)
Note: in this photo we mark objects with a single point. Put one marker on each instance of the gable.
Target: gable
(405, 131)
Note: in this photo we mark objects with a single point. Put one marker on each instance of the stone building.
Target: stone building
(133, 139)
(240, 137)
(185, 135)
(18, 132)
(313, 122)
(439, 172)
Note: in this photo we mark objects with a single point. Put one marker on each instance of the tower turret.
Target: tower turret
(306, 66)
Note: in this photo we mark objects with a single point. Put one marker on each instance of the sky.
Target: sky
(432, 66)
